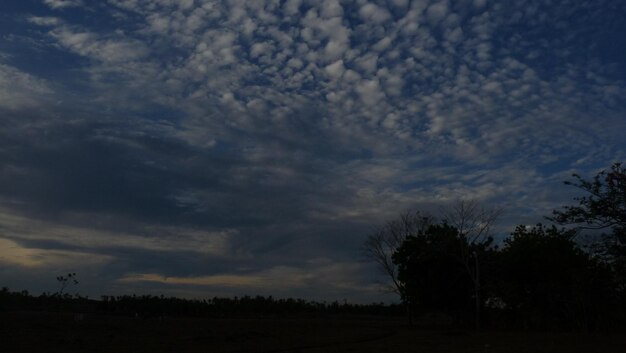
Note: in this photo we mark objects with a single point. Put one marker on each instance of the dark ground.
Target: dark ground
(51, 332)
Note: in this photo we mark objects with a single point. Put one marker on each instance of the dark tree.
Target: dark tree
(432, 277)
(547, 280)
(603, 207)
(473, 222)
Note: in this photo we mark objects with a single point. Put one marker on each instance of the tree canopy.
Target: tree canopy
(546, 279)
(433, 277)
(603, 205)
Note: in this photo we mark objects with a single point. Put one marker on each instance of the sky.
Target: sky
(203, 148)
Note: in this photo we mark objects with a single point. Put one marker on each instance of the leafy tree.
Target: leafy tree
(603, 207)
(432, 277)
(547, 280)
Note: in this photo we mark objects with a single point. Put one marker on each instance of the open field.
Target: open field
(37, 332)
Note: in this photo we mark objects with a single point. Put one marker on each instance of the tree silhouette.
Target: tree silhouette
(547, 280)
(603, 207)
(433, 279)
(473, 223)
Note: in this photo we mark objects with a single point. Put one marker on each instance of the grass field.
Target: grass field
(37, 332)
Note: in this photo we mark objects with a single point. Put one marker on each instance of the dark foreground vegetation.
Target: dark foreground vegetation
(96, 332)
(64, 323)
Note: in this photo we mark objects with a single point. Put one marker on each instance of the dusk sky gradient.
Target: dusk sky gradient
(205, 148)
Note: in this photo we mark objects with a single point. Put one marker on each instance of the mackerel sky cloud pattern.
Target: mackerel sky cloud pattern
(244, 147)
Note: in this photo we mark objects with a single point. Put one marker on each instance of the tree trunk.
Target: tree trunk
(477, 298)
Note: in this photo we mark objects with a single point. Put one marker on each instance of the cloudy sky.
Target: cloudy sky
(204, 147)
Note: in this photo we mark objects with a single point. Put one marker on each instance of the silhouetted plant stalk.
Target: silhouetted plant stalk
(64, 281)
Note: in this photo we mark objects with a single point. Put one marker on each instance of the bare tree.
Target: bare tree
(380, 246)
(471, 219)
(474, 223)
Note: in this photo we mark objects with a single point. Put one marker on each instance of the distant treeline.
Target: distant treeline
(150, 306)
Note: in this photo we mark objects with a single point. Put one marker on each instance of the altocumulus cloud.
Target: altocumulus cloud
(230, 147)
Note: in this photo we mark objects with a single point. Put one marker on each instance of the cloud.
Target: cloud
(11, 253)
(479, 3)
(251, 282)
(21, 90)
(45, 20)
(335, 69)
(61, 4)
(338, 278)
(145, 238)
(374, 13)
(331, 8)
(437, 11)
(88, 44)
